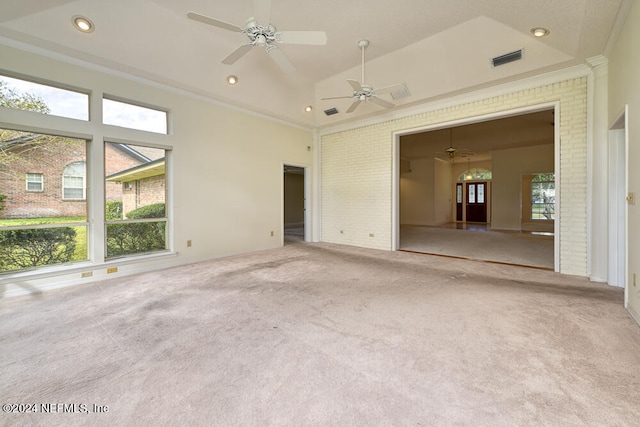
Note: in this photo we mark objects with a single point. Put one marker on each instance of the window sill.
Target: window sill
(79, 267)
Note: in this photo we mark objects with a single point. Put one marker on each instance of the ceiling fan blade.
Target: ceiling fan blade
(214, 22)
(355, 85)
(281, 60)
(304, 37)
(381, 102)
(262, 11)
(353, 106)
(388, 89)
(237, 54)
(336, 97)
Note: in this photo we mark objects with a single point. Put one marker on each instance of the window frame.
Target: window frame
(136, 104)
(14, 226)
(536, 184)
(136, 186)
(95, 136)
(86, 116)
(28, 181)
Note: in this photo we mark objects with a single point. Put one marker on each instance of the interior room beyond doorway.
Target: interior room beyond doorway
(497, 175)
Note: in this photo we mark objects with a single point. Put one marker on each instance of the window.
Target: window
(39, 228)
(480, 193)
(543, 196)
(135, 199)
(475, 174)
(133, 116)
(29, 96)
(35, 182)
(73, 181)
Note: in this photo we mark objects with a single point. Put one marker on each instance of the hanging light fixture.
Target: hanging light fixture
(468, 176)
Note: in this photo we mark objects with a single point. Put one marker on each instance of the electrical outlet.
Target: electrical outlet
(112, 270)
(371, 235)
(188, 243)
(272, 234)
(86, 274)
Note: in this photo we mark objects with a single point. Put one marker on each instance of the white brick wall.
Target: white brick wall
(356, 170)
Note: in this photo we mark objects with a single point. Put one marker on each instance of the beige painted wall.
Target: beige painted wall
(426, 193)
(417, 193)
(508, 168)
(225, 169)
(443, 192)
(624, 89)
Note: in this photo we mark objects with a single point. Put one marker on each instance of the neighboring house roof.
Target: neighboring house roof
(136, 154)
(146, 170)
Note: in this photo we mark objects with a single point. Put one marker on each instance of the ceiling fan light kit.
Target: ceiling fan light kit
(363, 92)
(266, 36)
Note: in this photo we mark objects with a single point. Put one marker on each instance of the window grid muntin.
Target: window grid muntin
(35, 182)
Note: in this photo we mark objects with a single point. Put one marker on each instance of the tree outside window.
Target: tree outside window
(543, 197)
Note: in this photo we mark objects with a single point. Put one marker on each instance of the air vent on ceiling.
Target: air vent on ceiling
(507, 57)
(331, 111)
(401, 92)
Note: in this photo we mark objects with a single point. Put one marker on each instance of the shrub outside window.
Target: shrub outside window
(38, 228)
(135, 184)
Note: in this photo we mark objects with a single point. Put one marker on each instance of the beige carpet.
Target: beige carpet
(510, 247)
(324, 335)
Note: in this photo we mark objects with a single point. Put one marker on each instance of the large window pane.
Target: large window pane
(38, 226)
(135, 190)
(543, 197)
(41, 98)
(133, 116)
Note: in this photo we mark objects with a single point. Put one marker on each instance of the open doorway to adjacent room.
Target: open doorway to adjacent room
(294, 203)
(481, 190)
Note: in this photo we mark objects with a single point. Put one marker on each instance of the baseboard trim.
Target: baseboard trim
(634, 314)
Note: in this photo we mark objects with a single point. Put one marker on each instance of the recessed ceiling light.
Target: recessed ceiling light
(232, 80)
(82, 24)
(540, 32)
(308, 108)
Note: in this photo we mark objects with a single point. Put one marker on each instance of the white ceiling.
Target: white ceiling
(476, 141)
(436, 47)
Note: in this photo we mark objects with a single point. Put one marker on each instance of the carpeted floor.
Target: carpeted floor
(323, 335)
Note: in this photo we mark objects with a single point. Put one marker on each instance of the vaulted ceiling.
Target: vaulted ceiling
(436, 47)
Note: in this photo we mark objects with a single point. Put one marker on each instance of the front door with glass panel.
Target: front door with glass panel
(476, 202)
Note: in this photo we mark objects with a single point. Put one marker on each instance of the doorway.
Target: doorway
(506, 146)
(476, 201)
(618, 171)
(294, 203)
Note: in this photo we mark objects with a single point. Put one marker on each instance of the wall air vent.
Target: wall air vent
(331, 111)
(507, 57)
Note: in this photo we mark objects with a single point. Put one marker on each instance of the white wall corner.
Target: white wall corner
(597, 169)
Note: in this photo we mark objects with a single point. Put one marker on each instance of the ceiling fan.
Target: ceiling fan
(261, 32)
(454, 152)
(363, 92)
